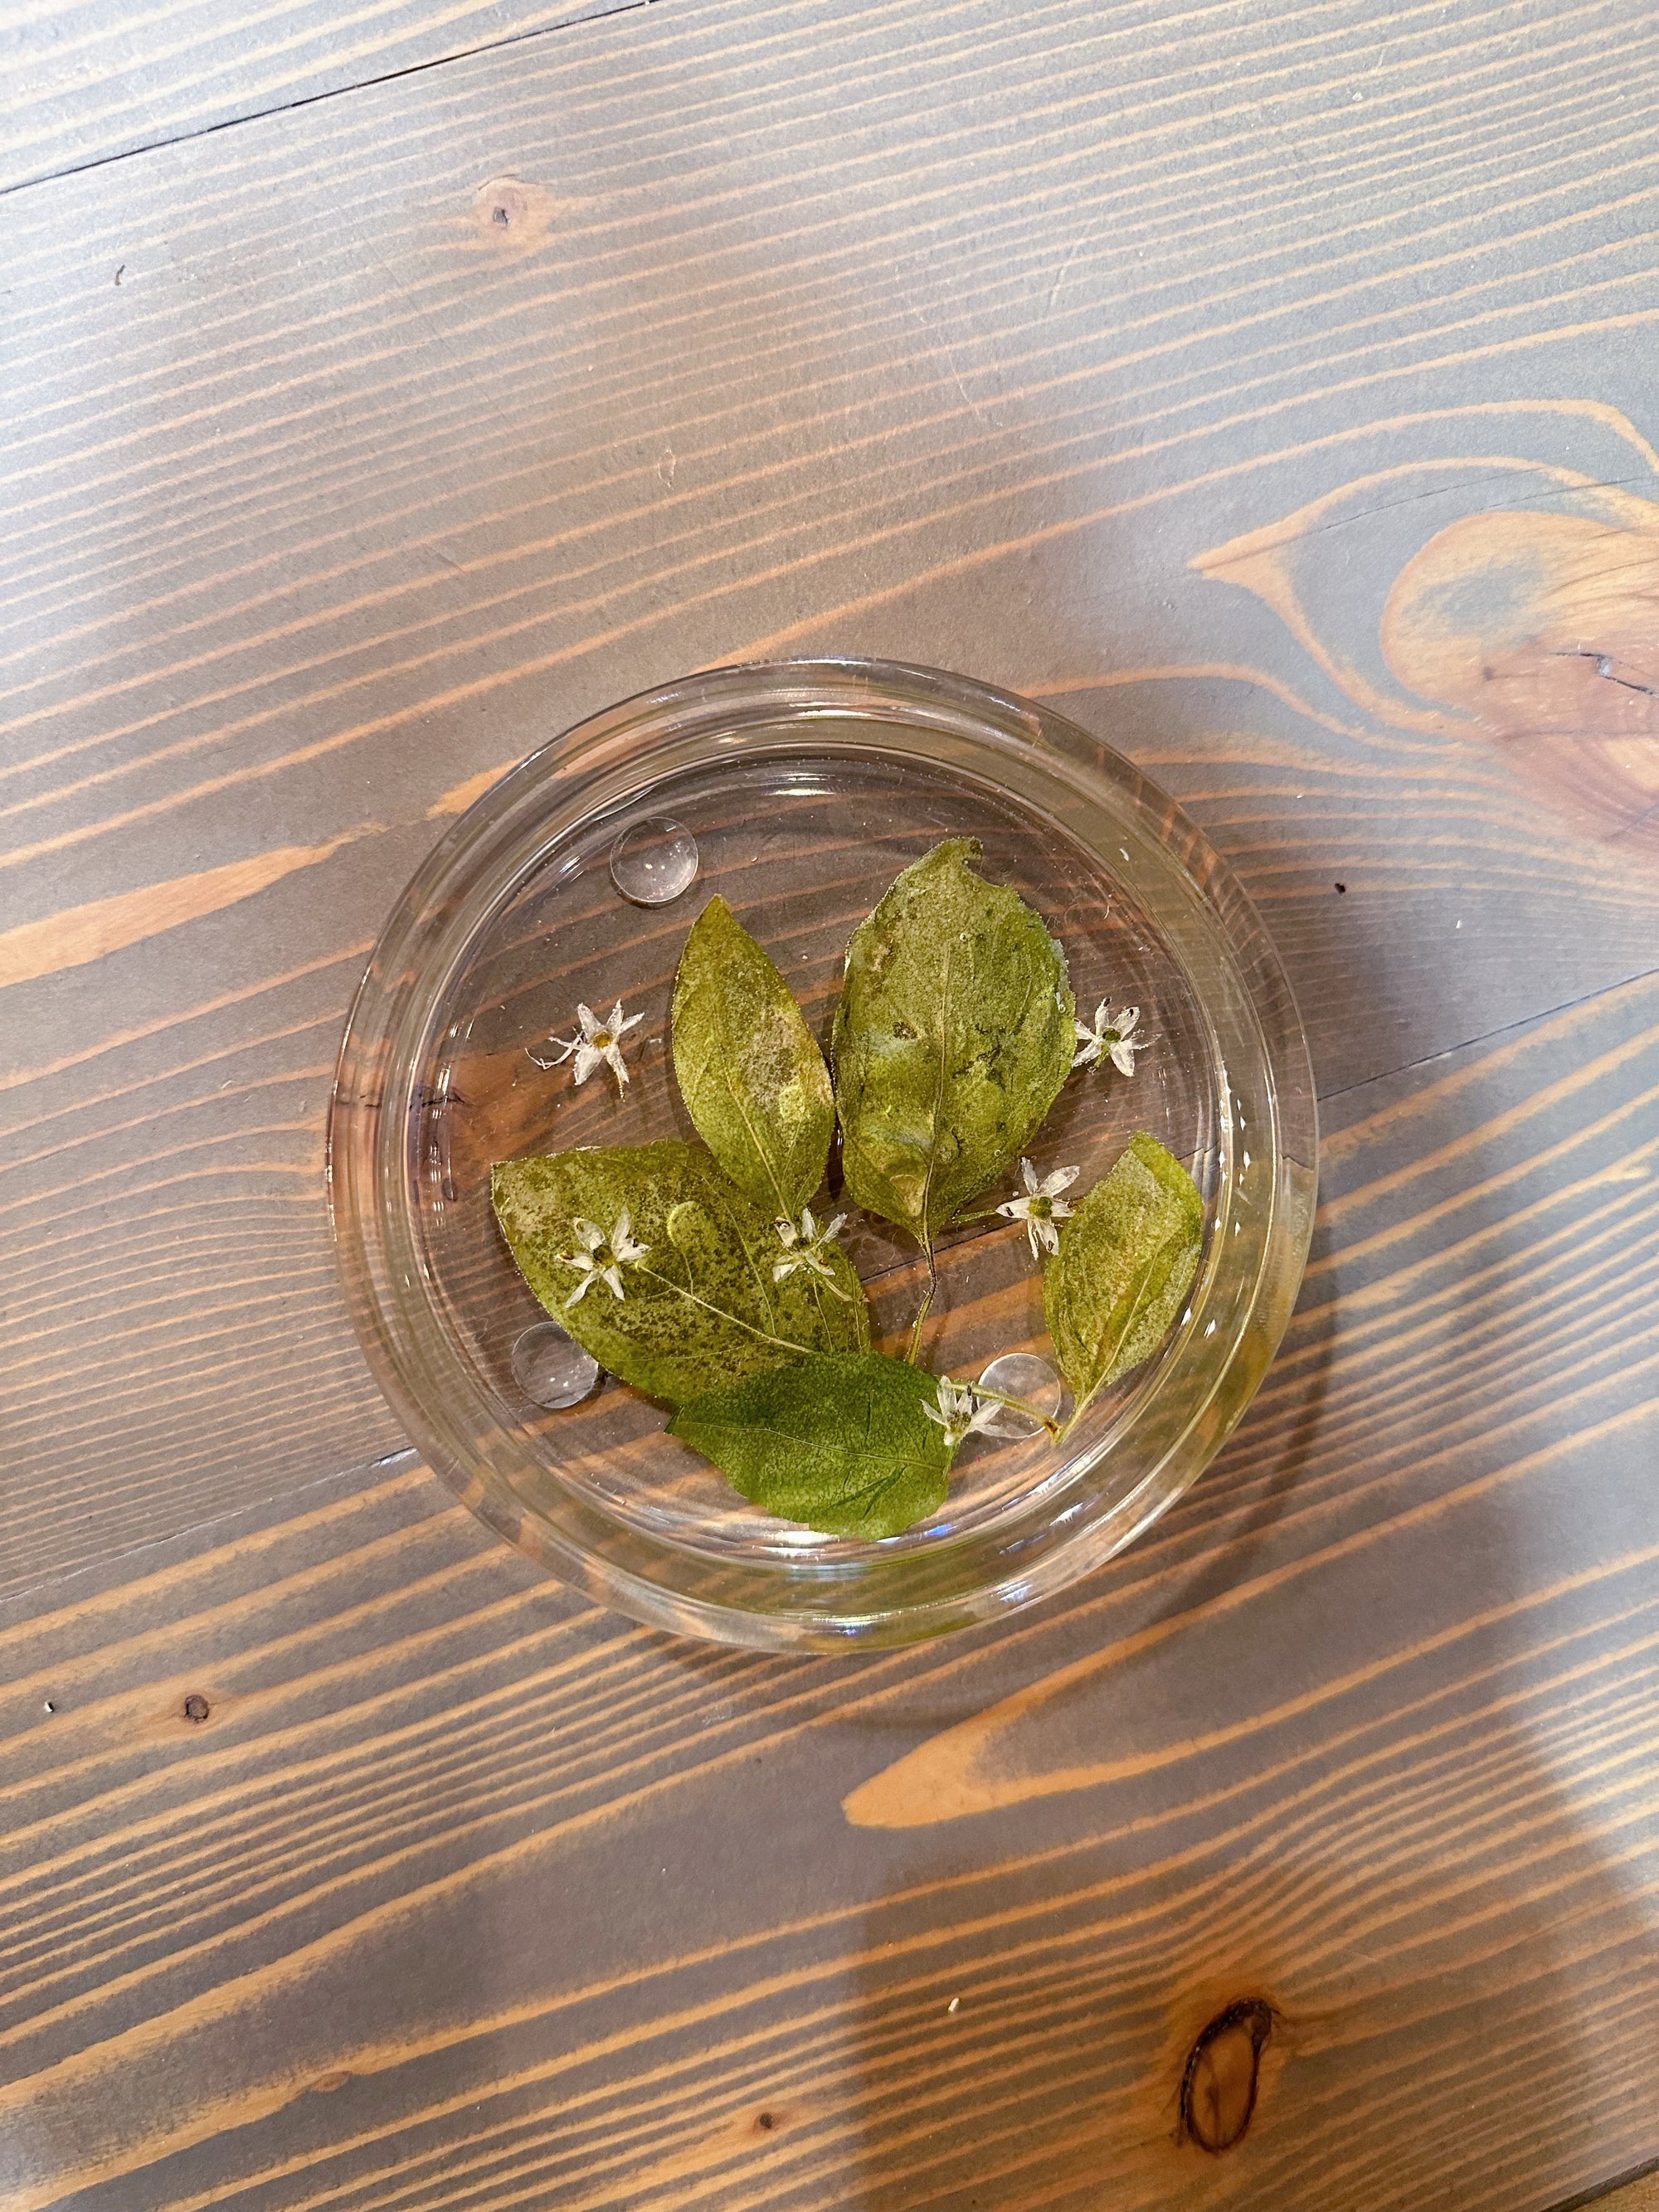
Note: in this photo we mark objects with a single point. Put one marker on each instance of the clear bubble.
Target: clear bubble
(1022, 1375)
(552, 1368)
(653, 862)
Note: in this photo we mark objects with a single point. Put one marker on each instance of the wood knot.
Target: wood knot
(511, 217)
(1219, 2081)
(764, 2123)
(197, 1707)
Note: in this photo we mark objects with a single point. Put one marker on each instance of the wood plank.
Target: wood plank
(82, 81)
(1641, 2196)
(943, 335)
(464, 1893)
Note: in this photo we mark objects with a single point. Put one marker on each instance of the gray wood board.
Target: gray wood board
(83, 81)
(464, 1893)
(1273, 390)
(941, 336)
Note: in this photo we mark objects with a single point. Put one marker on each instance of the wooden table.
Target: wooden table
(1273, 386)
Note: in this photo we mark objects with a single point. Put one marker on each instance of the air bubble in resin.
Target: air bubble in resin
(552, 1368)
(653, 862)
(1026, 1376)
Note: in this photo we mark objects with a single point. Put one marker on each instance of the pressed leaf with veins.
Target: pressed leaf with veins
(699, 1306)
(952, 1038)
(849, 1444)
(1127, 1259)
(750, 1071)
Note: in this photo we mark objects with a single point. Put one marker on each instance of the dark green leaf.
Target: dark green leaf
(952, 1038)
(751, 1075)
(701, 1307)
(844, 1444)
(1126, 1261)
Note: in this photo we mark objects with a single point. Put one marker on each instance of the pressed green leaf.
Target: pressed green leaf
(1127, 1259)
(842, 1443)
(952, 1038)
(701, 1308)
(750, 1070)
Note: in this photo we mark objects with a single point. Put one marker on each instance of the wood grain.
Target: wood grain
(1275, 390)
(346, 497)
(457, 1895)
(1638, 2197)
(85, 83)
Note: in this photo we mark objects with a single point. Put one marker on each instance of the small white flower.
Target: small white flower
(1111, 1038)
(959, 1412)
(601, 1257)
(1041, 1207)
(803, 1246)
(596, 1040)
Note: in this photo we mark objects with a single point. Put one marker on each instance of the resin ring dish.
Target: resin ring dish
(798, 791)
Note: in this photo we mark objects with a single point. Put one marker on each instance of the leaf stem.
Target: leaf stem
(1142, 1285)
(927, 1305)
(922, 1312)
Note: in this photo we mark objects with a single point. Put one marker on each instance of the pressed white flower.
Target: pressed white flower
(959, 1412)
(1041, 1207)
(1111, 1038)
(803, 1246)
(601, 1257)
(596, 1040)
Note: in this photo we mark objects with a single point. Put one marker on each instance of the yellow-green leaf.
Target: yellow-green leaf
(952, 1038)
(1127, 1259)
(699, 1307)
(750, 1070)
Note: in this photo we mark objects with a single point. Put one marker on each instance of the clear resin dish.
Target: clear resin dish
(798, 792)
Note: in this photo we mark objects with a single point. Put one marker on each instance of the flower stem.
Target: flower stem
(1015, 1404)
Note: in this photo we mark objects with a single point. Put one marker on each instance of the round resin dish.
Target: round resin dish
(798, 792)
